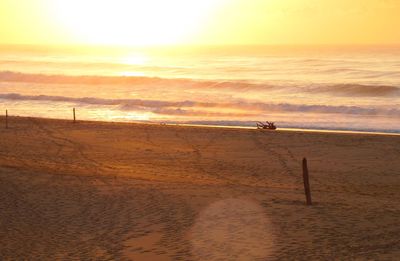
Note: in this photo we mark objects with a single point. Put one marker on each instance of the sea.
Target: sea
(354, 88)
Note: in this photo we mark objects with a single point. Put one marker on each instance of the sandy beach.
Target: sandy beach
(116, 191)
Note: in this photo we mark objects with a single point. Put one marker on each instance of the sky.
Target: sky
(194, 22)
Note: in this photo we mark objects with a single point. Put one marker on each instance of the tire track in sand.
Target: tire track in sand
(278, 156)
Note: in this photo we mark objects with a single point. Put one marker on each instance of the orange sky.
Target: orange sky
(158, 22)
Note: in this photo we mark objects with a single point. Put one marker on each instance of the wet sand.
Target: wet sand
(108, 191)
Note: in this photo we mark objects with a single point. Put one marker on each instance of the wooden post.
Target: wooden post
(74, 115)
(306, 182)
(6, 119)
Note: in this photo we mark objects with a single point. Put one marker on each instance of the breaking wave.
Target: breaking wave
(347, 89)
(359, 89)
(188, 107)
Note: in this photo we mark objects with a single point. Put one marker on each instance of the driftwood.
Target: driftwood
(266, 126)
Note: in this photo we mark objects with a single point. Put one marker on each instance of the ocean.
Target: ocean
(310, 87)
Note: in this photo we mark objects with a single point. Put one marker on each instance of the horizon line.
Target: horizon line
(200, 45)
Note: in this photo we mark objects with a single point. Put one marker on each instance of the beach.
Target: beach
(127, 191)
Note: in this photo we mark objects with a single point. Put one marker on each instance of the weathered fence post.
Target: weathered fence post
(306, 182)
(74, 115)
(6, 119)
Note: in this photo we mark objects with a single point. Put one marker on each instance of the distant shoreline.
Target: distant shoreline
(231, 127)
(299, 130)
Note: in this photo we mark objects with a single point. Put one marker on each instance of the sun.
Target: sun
(133, 22)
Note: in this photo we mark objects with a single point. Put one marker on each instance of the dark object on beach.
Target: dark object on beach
(73, 111)
(266, 126)
(307, 189)
(6, 119)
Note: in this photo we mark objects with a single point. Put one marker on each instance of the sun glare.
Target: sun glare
(133, 22)
(135, 59)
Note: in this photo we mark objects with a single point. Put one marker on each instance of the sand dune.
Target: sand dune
(107, 191)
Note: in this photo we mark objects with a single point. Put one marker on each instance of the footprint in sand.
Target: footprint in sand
(232, 229)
